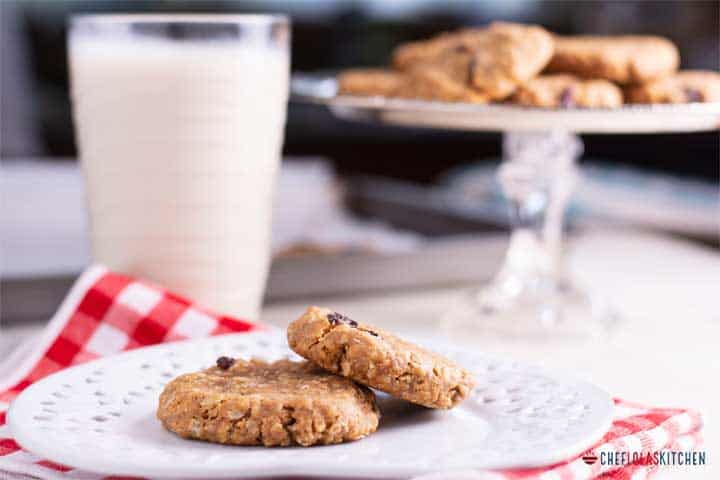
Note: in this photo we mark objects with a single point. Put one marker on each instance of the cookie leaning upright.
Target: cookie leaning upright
(271, 404)
(510, 55)
(492, 61)
(379, 359)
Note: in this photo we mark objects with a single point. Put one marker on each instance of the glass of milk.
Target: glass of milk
(179, 122)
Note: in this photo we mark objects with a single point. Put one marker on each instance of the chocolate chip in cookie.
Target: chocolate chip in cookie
(567, 99)
(336, 318)
(223, 363)
(693, 95)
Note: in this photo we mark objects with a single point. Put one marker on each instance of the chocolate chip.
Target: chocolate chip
(224, 363)
(337, 318)
(567, 98)
(372, 333)
(693, 95)
(471, 71)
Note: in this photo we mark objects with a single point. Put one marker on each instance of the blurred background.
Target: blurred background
(378, 190)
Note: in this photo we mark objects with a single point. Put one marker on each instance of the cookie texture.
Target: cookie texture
(567, 91)
(628, 59)
(491, 61)
(684, 87)
(271, 404)
(379, 359)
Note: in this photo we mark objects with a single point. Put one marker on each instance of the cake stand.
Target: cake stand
(531, 295)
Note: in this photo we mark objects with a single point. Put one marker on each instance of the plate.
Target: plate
(100, 417)
(322, 89)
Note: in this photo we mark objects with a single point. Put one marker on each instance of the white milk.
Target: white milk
(180, 145)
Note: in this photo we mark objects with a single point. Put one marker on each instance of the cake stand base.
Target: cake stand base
(545, 313)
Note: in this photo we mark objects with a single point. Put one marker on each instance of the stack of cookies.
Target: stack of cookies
(320, 401)
(527, 65)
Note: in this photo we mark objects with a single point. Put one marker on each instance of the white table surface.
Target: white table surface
(665, 354)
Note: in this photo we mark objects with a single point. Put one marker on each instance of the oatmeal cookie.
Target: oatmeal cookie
(567, 91)
(370, 82)
(493, 61)
(379, 359)
(409, 55)
(271, 404)
(684, 87)
(446, 80)
(628, 59)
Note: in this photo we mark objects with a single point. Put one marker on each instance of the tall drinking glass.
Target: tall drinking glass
(179, 122)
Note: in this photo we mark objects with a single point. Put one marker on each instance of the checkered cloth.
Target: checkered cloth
(106, 313)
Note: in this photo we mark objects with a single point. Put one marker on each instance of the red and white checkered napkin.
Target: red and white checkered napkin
(107, 313)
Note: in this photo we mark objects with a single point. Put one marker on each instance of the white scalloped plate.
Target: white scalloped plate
(100, 417)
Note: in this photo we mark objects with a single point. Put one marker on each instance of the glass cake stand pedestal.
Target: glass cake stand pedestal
(531, 295)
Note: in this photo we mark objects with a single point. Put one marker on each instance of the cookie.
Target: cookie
(492, 61)
(445, 80)
(628, 59)
(379, 359)
(271, 404)
(683, 87)
(370, 82)
(509, 56)
(421, 83)
(409, 55)
(568, 91)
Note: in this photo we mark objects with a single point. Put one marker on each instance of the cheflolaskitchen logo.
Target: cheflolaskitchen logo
(590, 458)
(656, 458)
